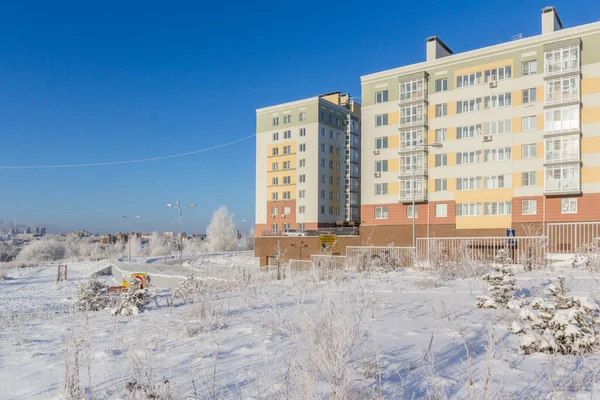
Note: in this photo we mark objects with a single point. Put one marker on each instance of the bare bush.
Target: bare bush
(133, 299)
(143, 384)
(92, 296)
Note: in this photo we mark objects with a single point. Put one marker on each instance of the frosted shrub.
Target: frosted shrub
(205, 311)
(42, 251)
(189, 289)
(92, 296)
(132, 300)
(220, 233)
(501, 285)
(559, 324)
(587, 256)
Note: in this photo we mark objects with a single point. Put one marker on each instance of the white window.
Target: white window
(528, 151)
(275, 136)
(381, 212)
(528, 123)
(381, 166)
(275, 181)
(441, 85)
(562, 89)
(302, 131)
(412, 115)
(468, 157)
(468, 80)
(498, 208)
(303, 147)
(495, 182)
(273, 227)
(473, 183)
(274, 210)
(381, 142)
(562, 148)
(274, 196)
(441, 160)
(275, 121)
(441, 185)
(275, 166)
(287, 134)
(529, 207)
(493, 155)
(441, 110)
(497, 100)
(381, 120)
(468, 209)
(381, 97)
(529, 95)
(529, 67)
(466, 106)
(568, 206)
(302, 178)
(408, 186)
(381, 189)
(562, 60)
(411, 138)
(497, 127)
(412, 90)
(302, 163)
(408, 162)
(562, 178)
(441, 210)
(286, 211)
(301, 194)
(287, 180)
(287, 149)
(322, 131)
(409, 211)
(287, 119)
(287, 164)
(465, 132)
(301, 209)
(528, 179)
(497, 74)
(301, 226)
(302, 116)
(287, 195)
(441, 135)
(562, 119)
(285, 226)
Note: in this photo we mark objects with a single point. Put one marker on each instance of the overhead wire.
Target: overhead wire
(100, 164)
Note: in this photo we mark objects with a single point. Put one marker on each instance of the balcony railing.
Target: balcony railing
(415, 95)
(560, 156)
(406, 195)
(418, 119)
(565, 185)
(560, 97)
(562, 67)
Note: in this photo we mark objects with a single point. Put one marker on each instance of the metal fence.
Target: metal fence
(341, 231)
(386, 257)
(524, 250)
(568, 237)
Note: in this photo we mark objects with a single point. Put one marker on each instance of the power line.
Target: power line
(126, 161)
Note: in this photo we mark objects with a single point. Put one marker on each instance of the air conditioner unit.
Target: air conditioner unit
(283, 216)
(273, 216)
(375, 152)
(493, 84)
(377, 174)
(487, 138)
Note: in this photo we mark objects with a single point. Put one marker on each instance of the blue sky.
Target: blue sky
(114, 80)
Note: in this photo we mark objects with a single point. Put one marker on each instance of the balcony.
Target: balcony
(413, 120)
(406, 195)
(562, 156)
(416, 95)
(561, 98)
(562, 186)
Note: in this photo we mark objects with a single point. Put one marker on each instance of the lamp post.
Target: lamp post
(437, 146)
(300, 246)
(129, 233)
(177, 205)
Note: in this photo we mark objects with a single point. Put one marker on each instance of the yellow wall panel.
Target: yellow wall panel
(431, 112)
(452, 108)
(517, 98)
(479, 196)
(539, 150)
(484, 222)
(539, 122)
(451, 184)
(516, 125)
(393, 118)
(590, 115)
(393, 142)
(539, 178)
(516, 179)
(394, 188)
(590, 145)
(483, 67)
(394, 165)
(590, 174)
(451, 134)
(451, 159)
(539, 95)
(590, 86)
(517, 152)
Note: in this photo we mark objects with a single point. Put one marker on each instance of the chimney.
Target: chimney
(550, 20)
(436, 49)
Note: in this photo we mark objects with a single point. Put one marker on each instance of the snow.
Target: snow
(425, 340)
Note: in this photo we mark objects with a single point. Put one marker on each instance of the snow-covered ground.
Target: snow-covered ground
(417, 337)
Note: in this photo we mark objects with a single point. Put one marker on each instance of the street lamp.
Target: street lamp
(300, 247)
(177, 205)
(129, 234)
(437, 146)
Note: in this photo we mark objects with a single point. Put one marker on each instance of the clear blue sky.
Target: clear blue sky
(84, 82)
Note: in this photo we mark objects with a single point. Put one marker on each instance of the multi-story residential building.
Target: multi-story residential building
(519, 128)
(307, 164)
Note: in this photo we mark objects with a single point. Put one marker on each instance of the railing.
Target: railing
(420, 194)
(561, 185)
(569, 237)
(559, 156)
(341, 231)
(560, 97)
(361, 258)
(524, 250)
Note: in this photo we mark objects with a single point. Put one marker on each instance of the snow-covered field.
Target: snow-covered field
(393, 336)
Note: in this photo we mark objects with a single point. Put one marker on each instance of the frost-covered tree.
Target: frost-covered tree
(42, 251)
(133, 299)
(559, 324)
(221, 232)
(501, 285)
(92, 296)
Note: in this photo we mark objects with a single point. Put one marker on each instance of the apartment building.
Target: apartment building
(506, 136)
(307, 164)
